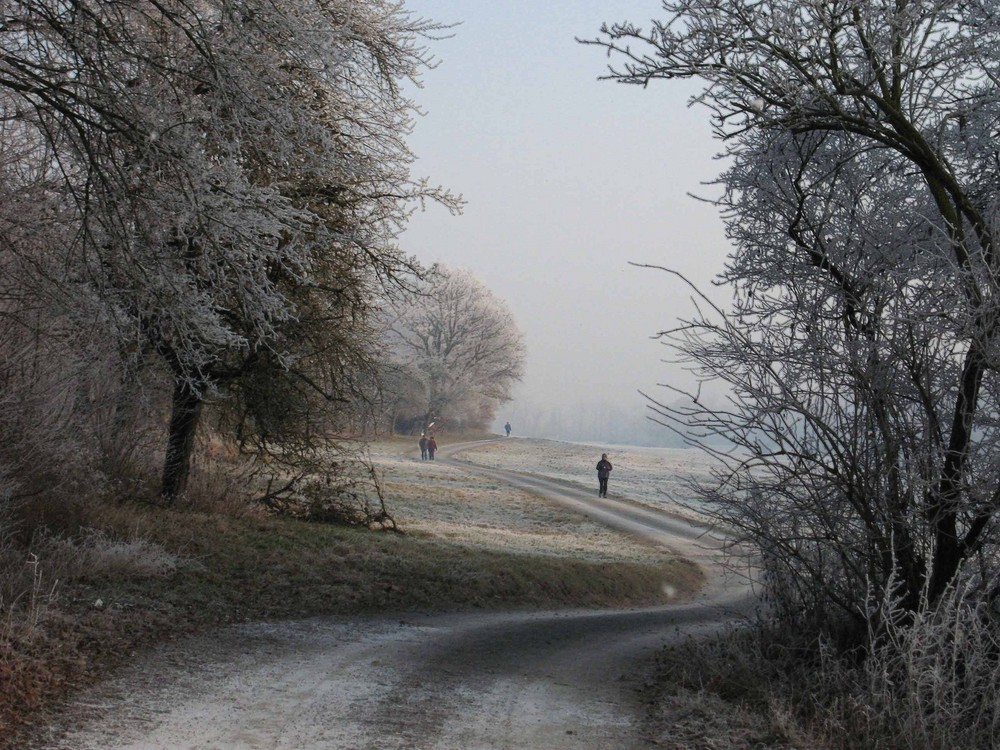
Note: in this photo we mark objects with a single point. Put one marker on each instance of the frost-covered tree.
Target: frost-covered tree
(863, 348)
(455, 350)
(237, 174)
(37, 374)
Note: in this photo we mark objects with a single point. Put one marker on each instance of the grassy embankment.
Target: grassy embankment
(125, 576)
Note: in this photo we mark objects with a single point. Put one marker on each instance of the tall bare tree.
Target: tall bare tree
(456, 349)
(863, 348)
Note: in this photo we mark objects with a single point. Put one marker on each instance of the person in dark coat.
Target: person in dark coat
(423, 447)
(604, 468)
(432, 446)
(507, 429)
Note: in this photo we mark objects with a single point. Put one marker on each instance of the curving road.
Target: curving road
(543, 681)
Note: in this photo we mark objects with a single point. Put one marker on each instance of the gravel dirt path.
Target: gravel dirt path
(461, 681)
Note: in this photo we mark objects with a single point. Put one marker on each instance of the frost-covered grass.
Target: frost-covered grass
(449, 502)
(659, 477)
(97, 554)
(115, 577)
(932, 684)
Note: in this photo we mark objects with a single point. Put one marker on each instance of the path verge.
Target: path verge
(471, 546)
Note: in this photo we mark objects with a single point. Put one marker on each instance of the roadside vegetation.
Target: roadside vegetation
(856, 365)
(203, 297)
(930, 684)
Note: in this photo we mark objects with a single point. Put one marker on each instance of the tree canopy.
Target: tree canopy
(229, 179)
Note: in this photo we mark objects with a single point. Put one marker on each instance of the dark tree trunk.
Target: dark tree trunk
(948, 552)
(185, 410)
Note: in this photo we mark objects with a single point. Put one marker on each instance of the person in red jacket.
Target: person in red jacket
(604, 468)
(432, 447)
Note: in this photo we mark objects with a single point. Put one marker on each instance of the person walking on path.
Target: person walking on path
(507, 429)
(423, 447)
(604, 468)
(431, 447)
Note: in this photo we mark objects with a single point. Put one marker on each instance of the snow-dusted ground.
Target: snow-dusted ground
(451, 502)
(566, 680)
(658, 477)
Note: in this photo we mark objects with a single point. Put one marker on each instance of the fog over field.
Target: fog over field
(626, 422)
(567, 179)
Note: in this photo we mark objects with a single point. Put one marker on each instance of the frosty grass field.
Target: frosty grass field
(659, 477)
(451, 502)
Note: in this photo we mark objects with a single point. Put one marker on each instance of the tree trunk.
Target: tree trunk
(185, 410)
(944, 508)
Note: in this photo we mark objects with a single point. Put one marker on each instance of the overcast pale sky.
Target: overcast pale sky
(567, 179)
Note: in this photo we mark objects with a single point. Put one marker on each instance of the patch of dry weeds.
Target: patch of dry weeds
(733, 693)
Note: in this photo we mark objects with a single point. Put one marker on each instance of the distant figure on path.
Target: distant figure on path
(431, 447)
(423, 447)
(604, 468)
(506, 428)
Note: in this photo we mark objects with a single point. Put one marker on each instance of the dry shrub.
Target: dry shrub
(344, 501)
(27, 589)
(337, 485)
(30, 578)
(27, 586)
(26, 593)
(49, 514)
(33, 610)
(346, 490)
(930, 681)
(221, 484)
